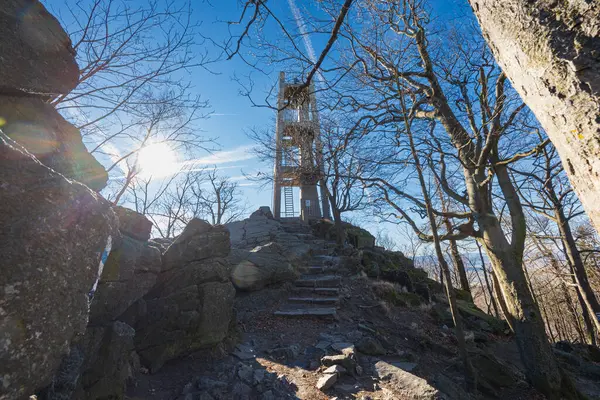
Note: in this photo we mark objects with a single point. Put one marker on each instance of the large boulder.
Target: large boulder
(38, 127)
(261, 266)
(56, 234)
(407, 385)
(109, 364)
(36, 55)
(129, 273)
(192, 310)
(198, 241)
(260, 228)
(133, 224)
(37, 62)
(192, 305)
(106, 355)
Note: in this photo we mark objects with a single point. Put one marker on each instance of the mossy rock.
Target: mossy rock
(399, 298)
(463, 295)
(470, 311)
(442, 313)
(410, 299)
(417, 274)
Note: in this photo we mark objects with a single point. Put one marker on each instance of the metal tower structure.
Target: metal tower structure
(298, 153)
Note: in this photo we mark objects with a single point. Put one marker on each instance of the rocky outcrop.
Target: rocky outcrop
(192, 304)
(56, 235)
(254, 231)
(144, 308)
(38, 63)
(97, 366)
(133, 224)
(101, 361)
(265, 251)
(110, 364)
(409, 386)
(37, 126)
(550, 50)
(198, 241)
(130, 272)
(261, 266)
(37, 55)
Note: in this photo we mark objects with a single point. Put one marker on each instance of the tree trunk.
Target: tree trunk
(340, 233)
(502, 302)
(549, 50)
(548, 321)
(587, 318)
(534, 348)
(574, 257)
(493, 299)
(459, 265)
(471, 378)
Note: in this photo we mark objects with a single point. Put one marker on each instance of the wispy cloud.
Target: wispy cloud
(237, 154)
(301, 24)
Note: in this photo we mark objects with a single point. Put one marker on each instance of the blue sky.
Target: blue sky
(233, 114)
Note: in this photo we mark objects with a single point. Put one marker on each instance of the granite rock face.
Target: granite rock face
(56, 232)
(133, 224)
(38, 127)
(130, 272)
(198, 241)
(37, 55)
(261, 266)
(191, 306)
(106, 355)
(257, 230)
(37, 64)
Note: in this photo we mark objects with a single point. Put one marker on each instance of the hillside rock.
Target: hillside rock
(56, 234)
(37, 55)
(133, 224)
(110, 364)
(198, 241)
(259, 229)
(129, 273)
(38, 127)
(191, 306)
(261, 266)
(409, 386)
(105, 354)
(38, 62)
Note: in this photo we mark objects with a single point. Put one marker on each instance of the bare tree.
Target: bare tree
(468, 96)
(131, 92)
(343, 170)
(546, 190)
(219, 198)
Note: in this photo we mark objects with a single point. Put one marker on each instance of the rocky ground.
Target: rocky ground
(374, 347)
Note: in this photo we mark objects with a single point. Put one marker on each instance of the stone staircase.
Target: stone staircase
(315, 293)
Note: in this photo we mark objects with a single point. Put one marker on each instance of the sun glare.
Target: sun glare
(157, 160)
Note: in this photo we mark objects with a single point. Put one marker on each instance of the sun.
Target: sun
(157, 160)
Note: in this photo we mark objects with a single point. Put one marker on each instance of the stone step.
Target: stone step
(314, 300)
(318, 281)
(324, 291)
(307, 312)
(313, 270)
